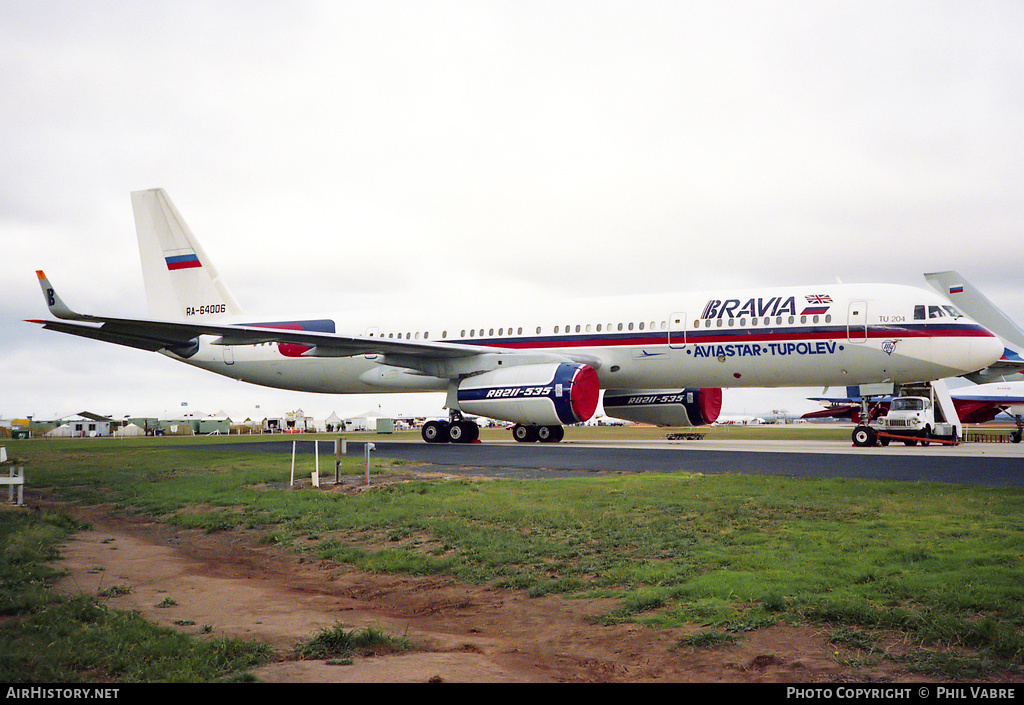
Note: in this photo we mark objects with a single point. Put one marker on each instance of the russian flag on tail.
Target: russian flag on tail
(956, 289)
(183, 262)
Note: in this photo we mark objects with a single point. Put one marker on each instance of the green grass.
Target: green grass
(49, 639)
(941, 564)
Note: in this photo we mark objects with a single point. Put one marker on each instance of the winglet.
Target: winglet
(57, 307)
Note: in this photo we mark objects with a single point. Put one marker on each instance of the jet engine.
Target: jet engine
(665, 407)
(552, 394)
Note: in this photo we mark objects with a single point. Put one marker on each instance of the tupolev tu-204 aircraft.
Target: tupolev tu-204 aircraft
(660, 359)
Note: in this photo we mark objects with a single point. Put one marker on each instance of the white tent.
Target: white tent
(62, 430)
(130, 430)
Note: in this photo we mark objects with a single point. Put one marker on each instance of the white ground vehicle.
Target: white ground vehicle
(921, 413)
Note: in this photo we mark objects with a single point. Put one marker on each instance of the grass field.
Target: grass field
(940, 564)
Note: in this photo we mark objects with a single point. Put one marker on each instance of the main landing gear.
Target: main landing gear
(544, 434)
(459, 430)
(456, 430)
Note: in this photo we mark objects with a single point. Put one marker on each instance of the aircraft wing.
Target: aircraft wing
(155, 335)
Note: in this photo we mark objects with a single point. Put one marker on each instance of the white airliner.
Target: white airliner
(661, 359)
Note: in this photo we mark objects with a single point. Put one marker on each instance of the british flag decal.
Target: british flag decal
(816, 304)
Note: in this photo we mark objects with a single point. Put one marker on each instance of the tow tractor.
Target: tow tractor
(918, 413)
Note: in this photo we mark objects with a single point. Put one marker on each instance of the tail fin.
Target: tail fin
(180, 280)
(972, 302)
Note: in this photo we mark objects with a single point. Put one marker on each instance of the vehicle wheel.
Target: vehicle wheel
(434, 432)
(883, 440)
(910, 442)
(550, 434)
(524, 434)
(926, 438)
(1015, 436)
(864, 436)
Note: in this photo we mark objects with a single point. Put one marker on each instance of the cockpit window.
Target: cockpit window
(921, 312)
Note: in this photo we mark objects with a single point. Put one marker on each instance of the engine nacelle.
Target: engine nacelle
(544, 395)
(665, 407)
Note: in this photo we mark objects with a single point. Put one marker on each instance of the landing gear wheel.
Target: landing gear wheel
(864, 436)
(550, 434)
(463, 432)
(524, 434)
(1016, 436)
(435, 432)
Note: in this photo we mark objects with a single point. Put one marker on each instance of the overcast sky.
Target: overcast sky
(332, 155)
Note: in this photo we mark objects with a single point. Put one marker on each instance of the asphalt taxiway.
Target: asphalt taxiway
(983, 464)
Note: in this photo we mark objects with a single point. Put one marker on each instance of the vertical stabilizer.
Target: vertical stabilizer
(977, 306)
(181, 282)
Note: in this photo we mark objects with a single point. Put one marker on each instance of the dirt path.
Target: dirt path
(462, 633)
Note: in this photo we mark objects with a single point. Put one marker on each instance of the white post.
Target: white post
(316, 472)
(292, 484)
(368, 447)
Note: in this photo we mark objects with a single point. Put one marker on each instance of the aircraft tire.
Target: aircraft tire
(524, 434)
(1016, 436)
(550, 434)
(435, 432)
(463, 432)
(864, 436)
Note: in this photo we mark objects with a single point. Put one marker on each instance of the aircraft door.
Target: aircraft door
(857, 322)
(677, 330)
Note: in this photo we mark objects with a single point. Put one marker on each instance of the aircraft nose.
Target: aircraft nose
(984, 351)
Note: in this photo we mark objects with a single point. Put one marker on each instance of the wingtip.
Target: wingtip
(40, 274)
